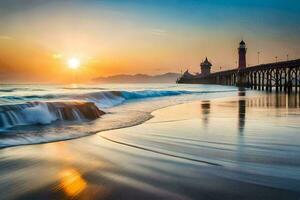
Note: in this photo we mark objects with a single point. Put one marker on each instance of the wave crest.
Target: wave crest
(34, 113)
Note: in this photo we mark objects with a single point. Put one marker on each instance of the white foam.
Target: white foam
(38, 114)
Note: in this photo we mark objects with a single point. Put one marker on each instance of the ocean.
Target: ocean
(148, 141)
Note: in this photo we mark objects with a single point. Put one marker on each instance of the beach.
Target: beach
(236, 147)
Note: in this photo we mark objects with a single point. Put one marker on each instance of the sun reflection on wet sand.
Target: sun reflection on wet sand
(72, 183)
(70, 180)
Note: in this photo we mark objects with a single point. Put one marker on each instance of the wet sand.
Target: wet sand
(230, 148)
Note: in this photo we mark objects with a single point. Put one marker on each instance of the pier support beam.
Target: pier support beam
(241, 80)
(263, 80)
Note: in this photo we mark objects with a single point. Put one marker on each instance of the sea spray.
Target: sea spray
(38, 114)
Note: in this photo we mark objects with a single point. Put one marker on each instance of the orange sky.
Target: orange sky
(111, 38)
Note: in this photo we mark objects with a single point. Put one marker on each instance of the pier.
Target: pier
(278, 76)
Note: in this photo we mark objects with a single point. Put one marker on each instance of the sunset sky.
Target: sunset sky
(38, 37)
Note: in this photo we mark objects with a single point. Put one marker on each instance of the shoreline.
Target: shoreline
(130, 124)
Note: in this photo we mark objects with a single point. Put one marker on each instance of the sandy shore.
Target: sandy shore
(237, 148)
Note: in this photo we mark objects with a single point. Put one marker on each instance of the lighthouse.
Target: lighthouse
(242, 55)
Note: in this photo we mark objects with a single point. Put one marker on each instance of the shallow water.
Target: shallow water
(257, 135)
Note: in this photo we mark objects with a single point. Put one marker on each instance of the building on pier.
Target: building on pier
(205, 67)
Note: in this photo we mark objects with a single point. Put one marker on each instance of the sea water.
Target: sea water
(181, 142)
(43, 113)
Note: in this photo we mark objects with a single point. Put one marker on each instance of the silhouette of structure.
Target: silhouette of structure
(280, 76)
(205, 67)
(242, 55)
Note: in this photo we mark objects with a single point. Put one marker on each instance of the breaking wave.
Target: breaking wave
(114, 98)
(43, 113)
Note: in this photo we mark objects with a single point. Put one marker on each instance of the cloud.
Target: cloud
(158, 32)
(5, 37)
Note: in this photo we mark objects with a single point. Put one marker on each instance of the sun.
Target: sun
(73, 63)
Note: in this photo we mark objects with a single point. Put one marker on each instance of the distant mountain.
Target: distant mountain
(139, 78)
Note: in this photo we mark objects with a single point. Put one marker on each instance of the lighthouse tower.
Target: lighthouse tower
(242, 55)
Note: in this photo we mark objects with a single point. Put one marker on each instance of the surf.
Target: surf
(43, 113)
(32, 114)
